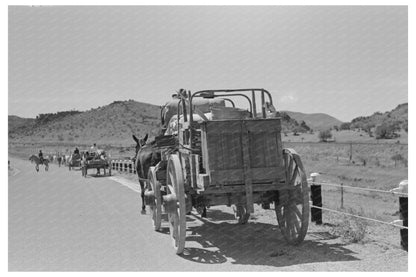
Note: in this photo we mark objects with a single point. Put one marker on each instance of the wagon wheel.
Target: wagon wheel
(241, 214)
(156, 206)
(177, 206)
(292, 209)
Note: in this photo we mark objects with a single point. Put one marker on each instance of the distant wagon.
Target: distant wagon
(74, 161)
(213, 154)
(97, 161)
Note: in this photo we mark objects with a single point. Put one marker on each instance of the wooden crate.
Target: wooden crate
(234, 150)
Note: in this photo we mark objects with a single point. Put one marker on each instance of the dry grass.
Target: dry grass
(351, 229)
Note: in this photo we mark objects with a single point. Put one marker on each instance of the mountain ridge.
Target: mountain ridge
(116, 122)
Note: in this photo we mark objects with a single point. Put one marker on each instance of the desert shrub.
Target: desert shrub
(396, 158)
(345, 126)
(304, 126)
(351, 229)
(324, 135)
(387, 130)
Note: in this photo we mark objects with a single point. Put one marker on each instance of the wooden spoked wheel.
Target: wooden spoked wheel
(292, 209)
(241, 214)
(177, 210)
(156, 206)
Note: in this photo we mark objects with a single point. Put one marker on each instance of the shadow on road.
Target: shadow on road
(257, 243)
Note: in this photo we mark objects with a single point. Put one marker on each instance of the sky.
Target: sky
(346, 61)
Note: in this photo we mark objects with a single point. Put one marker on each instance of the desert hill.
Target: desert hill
(111, 124)
(398, 117)
(16, 122)
(316, 121)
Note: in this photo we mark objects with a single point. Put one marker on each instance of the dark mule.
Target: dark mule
(145, 157)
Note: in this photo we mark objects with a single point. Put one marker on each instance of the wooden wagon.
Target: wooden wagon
(75, 161)
(98, 162)
(229, 157)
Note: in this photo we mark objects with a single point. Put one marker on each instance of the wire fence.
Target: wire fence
(357, 188)
(360, 217)
(316, 199)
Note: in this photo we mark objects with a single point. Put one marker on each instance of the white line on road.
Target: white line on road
(125, 182)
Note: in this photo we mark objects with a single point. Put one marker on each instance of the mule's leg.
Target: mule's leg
(142, 195)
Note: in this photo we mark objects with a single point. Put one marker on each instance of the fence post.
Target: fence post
(403, 202)
(316, 197)
(404, 215)
(403, 209)
(342, 196)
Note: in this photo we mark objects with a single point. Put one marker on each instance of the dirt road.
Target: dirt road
(60, 221)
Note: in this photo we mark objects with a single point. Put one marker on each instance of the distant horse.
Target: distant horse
(36, 159)
(145, 157)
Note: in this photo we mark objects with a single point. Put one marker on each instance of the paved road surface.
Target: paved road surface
(60, 221)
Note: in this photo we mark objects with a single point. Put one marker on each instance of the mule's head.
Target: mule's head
(140, 142)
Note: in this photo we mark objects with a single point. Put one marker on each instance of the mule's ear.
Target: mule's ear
(146, 137)
(135, 139)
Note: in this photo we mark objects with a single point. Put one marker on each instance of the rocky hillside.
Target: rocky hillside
(397, 117)
(111, 124)
(16, 122)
